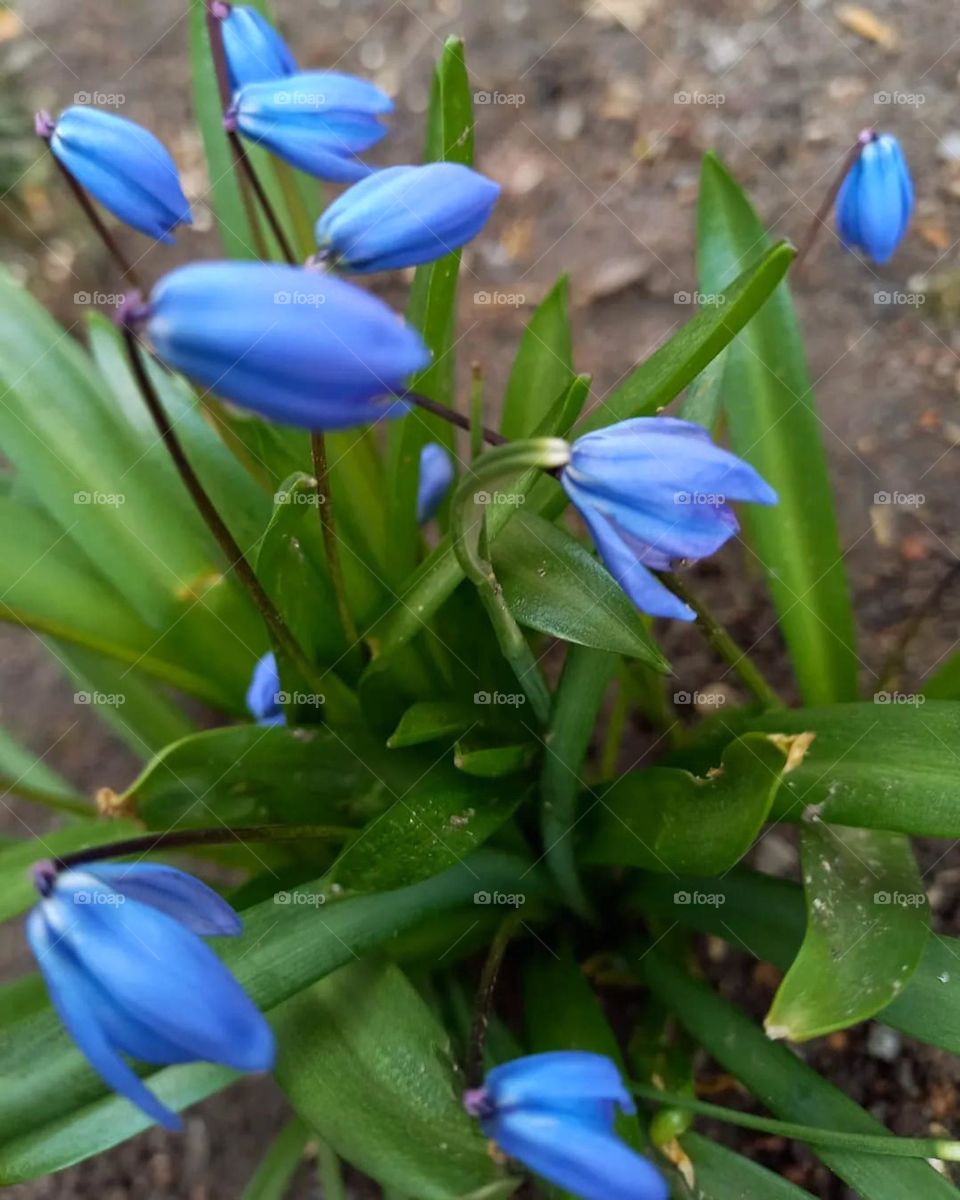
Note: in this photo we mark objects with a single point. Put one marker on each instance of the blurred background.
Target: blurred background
(593, 115)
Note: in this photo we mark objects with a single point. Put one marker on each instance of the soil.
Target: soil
(593, 114)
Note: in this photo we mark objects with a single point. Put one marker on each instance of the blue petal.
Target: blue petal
(436, 476)
(77, 1002)
(123, 166)
(297, 346)
(557, 1076)
(255, 51)
(197, 907)
(876, 200)
(162, 976)
(590, 1163)
(317, 120)
(404, 216)
(622, 561)
(263, 701)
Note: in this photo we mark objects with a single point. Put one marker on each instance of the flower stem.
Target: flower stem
(818, 221)
(328, 527)
(177, 839)
(888, 1144)
(454, 418)
(102, 232)
(483, 1004)
(721, 641)
(276, 227)
(326, 683)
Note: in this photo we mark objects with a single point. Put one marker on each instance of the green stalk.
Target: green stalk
(897, 1147)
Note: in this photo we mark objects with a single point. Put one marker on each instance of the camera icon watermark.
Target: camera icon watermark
(701, 299)
(100, 699)
(502, 299)
(100, 99)
(908, 698)
(506, 499)
(700, 99)
(500, 99)
(309, 499)
(301, 699)
(500, 699)
(98, 899)
(699, 899)
(900, 899)
(500, 899)
(713, 699)
(903, 499)
(713, 499)
(906, 99)
(100, 299)
(300, 899)
(100, 499)
(298, 299)
(899, 299)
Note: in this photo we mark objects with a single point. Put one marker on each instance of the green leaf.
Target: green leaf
(554, 585)
(279, 1165)
(436, 579)
(543, 367)
(440, 820)
(664, 375)
(492, 762)
(248, 774)
(944, 683)
(666, 819)
(703, 400)
(877, 766)
(789, 1088)
(432, 310)
(17, 892)
(866, 931)
(284, 948)
(583, 684)
(432, 720)
(765, 916)
(773, 424)
(722, 1174)
(228, 208)
(22, 773)
(367, 1066)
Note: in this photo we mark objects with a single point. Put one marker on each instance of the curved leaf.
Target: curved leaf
(543, 366)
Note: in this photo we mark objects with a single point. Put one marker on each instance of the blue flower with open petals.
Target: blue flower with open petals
(555, 1114)
(253, 49)
(403, 216)
(263, 694)
(654, 491)
(297, 346)
(317, 120)
(436, 475)
(122, 165)
(875, 201)
(119, 947)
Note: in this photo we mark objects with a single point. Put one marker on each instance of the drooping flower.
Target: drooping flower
(253, 49)
(297, 346)
(403, 216)
(122, 165)
(119, 948)
(317, 120)
(263, 694)
(876, 200)
(555, 1114)
(436, 475)
(654, 491)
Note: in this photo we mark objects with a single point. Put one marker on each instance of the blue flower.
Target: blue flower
(119, 947)
(653, 491)
(318, 120)
(263, 694)
(122, 165)
(405, 215)
(555, 1114)
(436, 475)
(297, 346)
(254, 50)
(875, 201)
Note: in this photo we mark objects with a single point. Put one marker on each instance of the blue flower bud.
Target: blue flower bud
(122, 165)
(436, 475)
(317, 120)
(253, 48)
(555, 1114)
(297, 346)
(405, 215)
(875, 200)
(653, 491)
(119, 948)
(263, 694)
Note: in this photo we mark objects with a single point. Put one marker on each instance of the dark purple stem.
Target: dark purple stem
(820, 216)
(454, 418)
